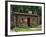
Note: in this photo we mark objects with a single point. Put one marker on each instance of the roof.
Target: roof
(25, 14)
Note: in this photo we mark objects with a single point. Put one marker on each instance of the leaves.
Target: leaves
(25, 9)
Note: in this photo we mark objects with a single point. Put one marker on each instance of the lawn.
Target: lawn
(27, 29)
(24, 28)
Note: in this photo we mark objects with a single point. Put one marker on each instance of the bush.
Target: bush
(21, 25)
(12, 26)
(34, 24)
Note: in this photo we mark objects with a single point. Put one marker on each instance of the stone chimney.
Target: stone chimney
(30, 12)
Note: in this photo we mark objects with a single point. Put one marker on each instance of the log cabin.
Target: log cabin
(26, 19)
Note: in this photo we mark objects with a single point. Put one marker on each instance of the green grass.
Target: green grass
(23, 28)
(26, 29)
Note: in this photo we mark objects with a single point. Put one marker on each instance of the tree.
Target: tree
(25, 9)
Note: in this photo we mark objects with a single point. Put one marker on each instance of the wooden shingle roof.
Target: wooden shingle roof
(25, 14)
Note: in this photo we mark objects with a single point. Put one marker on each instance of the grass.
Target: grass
(26, 29)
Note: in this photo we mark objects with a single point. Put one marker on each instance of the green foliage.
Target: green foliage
(25, 9)
(21, 26)
(12, 26)
(34, 24)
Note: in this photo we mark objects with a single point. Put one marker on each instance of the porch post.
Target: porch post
(14, 20)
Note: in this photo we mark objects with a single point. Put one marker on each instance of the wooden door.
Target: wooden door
(28, 22)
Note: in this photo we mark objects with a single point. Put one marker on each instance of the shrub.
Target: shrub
(34, 24)
(12, 26)
(21, 25)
